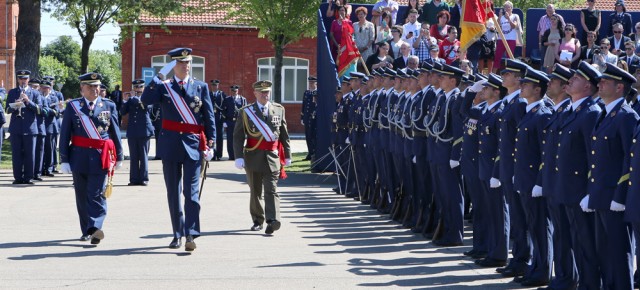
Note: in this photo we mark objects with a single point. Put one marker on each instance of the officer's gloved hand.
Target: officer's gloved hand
(164, 71)
(454, 163)
(537, 191)
(239, 163)
(414, 160)
(347, 141)
(616, 206)
(494, 183)
(302, 122)
(584, 204)
(208, 154)
(513, 179)
(224, 125)
(65, 168)
(118, 165)
(477, 86)
(287, 162)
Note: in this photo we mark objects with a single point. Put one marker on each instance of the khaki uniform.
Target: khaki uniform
(262, 166)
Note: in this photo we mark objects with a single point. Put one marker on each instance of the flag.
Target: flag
(475, 14)
(348, 52)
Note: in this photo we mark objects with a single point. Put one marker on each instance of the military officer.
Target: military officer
(3, 120)
(263, 126)
(90, 149)
(24, 104)
(42, 132)
(230, 106)
(341, 135)
(60, 97)
(139, 132)
(51, 125)
(187, 137)
(217, 96)
(607, 190)
(156, 120)
(308, 115)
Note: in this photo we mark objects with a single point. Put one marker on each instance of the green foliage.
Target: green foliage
(108, 64)
(51, 66)
(65, 50)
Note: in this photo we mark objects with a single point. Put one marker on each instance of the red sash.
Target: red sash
(269, 146)
(187, 128)
(108, 154)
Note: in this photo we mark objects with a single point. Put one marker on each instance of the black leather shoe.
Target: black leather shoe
(272, 227)
(490, 263)
(256, 227)
(470, 252)
(132, 184)
(97, 236)
(534, 283)
(512, 272)
(38, 179)
(17, 182)
(479, 255)
(176, 243)
(85, 238)
(144, 183)
(55, 171)
(502, 269)
(47, 173)
(441, 243)
(28, 182)
(189, 244)
(519, 279)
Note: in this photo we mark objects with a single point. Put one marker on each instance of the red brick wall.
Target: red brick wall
(231, 55)
(8, 9)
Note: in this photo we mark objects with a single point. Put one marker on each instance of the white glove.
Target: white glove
(167, 68)
(537, 191)
(414, 160)
(157, 80)
(208, 154)
(118, 165)
(584, 204)
(347, 141)
(287, 162)
(301, 122)
(454, 163)
(494, 183)
(477, 86)
(224, 125)
(65, 168)
(616, 206)
(240, 163)
(513, 179)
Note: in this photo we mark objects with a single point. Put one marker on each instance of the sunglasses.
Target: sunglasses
(617, 32)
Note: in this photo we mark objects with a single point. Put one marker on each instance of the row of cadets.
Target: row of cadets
(357, 168)
(341, 134)
(52, 116)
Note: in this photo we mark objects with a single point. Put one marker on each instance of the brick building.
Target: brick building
(231, 53)
(8, 28)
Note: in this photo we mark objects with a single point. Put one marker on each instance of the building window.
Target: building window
(197, 65)
(295, 72)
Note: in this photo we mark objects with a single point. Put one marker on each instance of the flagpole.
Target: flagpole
(364, 65)
(504, 41)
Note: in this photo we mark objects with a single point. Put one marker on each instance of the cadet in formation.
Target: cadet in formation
(308, 115)
(217, 96)
(54, 109)
(230, 107)
(139, 132)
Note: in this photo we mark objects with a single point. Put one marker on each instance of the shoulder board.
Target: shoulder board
(277, 105)
(107, 99)
(249, 105)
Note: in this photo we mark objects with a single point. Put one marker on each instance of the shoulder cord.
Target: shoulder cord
(444, 127)
(427, 122)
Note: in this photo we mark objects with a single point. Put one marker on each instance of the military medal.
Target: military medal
(100, 129)
(470, 131)
(613, 114)
(100, 104)
(486, 130)
(192, 105)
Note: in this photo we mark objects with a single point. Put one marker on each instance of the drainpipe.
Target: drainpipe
(133, 57)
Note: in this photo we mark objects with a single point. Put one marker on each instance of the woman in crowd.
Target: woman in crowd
(590, 18)
(623, 65)
(551, 39)
(383, 31)
(381, 58)
(439, 31)
(396, 42)
(333, 6)
(487, 48)
(586, 52)
(340, 24)
(413, 4)
(568, 52)
(511, 27)
(364, 32)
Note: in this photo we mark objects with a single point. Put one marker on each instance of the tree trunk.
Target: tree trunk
(28, 37)
(277, 78)
(84, 53)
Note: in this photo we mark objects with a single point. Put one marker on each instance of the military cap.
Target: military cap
(401, 74)
(416, 73)
(513, 65)
(23, 74)
(451, 71)
(380, 71)
(356, 75)
(613, 72)
(215, 82)
(91, 78)
(410, 74)
(588, 72)
(534, 76)
(263, 86)
(34, 81)
(494, 81)
(235, 87)
(479, 77)
(390, 73)
(434, 48)
(180, 54)
(138, 83)
(312, 79)
(49, 78)
(560, 72)
(345, 79)
(45, 84)
(425, 66)
(437, 67)
(103, 87)
(365, 79)
(374, 73)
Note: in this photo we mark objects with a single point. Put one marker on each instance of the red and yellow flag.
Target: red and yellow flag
(348, 51)
(475, 14)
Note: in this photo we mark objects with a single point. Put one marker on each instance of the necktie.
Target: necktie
(91, 108)
(181, 83)
(264, 111)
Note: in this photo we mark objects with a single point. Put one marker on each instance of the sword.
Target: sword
(203, 175)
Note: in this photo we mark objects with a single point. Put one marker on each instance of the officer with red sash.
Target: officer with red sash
(187, 136)
(90, 149)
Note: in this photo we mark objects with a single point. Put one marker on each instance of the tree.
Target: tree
(65, 50)
(50, 66)
(28, 36)
(282, 22)
(108, 64)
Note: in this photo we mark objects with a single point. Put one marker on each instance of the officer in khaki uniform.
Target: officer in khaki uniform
(264, 128)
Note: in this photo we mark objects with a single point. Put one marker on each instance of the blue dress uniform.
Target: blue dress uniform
(396, 149)
(368, 150)
(358, 169)
(42, 134)
(433, 101)
(423, 194)
(139, 132)
(527, 162)
(572, 168)
(230, 107)
(52, 129)
(3, 97)
(411, 216)
(494, 198)
(370, 116)
(610, 156)
(156, 120)
(386, 172)
(88, 161)
(217, 96)
(23, 129)
(181, 145)
(512, 113)
(308, 118)
(60, 97)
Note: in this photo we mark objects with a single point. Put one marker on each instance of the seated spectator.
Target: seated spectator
(590, 19)
(510, 24)
(545, 23)
(401, 61)
(396, 42)
(629, 56)
(587, 51)
(604, 56)
(413, 63)
(411, 28)
(623, 65)
(620, 16)
(618, 39)
(364, 33)
(340, 24)
(383, 31)
(569, 45)
(487, 48)
(435, 54)
(430, 12)
(439, 30)
(333, 6)
(422, 44)
(450, 47)
(389, 6)
(636, 35)
(412, 4)
(380, 59)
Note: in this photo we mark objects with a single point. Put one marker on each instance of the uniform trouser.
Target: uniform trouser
(392, 182)
(521, 248)
(423, 191)
(39, 157)
(1, 139)
(139, 152)
(50, 149)
(564, 263)
(54, 164)
(540, 230)
(229, 131)
(480, 208)
(156, 134)
(184, 221)
(613, 245)
(436, 202)
(452, 210)
(499, 223)
(360, 169)
(350, 169)
(372, 170)
(310, 136)
(219, 137)
(342, 155)
(23, 151)
(263, 206)
(90, 201)
(583, 241)
(381, 170)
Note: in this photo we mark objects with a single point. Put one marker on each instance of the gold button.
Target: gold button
(630, 168)
(594, 138)
(516, 139)
(556, 168)
(593, 166)
(480, 142)
(530, 166)
(512, 154)
(526, 129)
(543, 142)
(516, 149)
(605, 137)
(560, 133)
(576, 172)
(634, 140)
(557, 156)
(545, 131)
(479, 151)
(631, 154)
(593, 152)
(593, 180)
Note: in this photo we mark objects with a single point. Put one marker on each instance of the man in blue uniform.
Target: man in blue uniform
(91, 150)
(58, 119)
(139, 132)
(230, 106)
(217, 96)
(42, 132)
(308, 116)
(607, 190)
(24, 104)
(187, 136)
(156, 120)
(341, 134)
(52, 126)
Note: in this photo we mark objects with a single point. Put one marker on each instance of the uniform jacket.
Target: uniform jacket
(139, 118)
(27, 124)
(444, 128)
(308, 111)
(488, 141)
(512, 113)
(632, 211)
(217, 98)
(548, 175)
(230, 107)
(52, 114)
(470, 133)
(528, 148)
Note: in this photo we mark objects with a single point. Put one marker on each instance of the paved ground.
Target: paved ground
(326, 241)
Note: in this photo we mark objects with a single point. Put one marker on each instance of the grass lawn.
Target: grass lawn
(6, 155)
(298, 164)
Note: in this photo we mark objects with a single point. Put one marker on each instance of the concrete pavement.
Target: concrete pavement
(326, 241)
